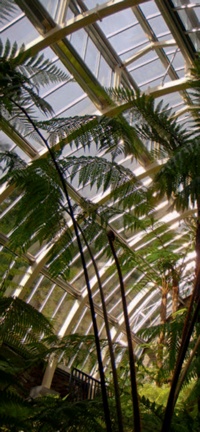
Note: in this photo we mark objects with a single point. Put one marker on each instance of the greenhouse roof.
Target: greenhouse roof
(141, 45)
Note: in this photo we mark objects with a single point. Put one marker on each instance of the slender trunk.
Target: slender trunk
(186, 368)
(93, 315)
(163, 317)
(197, 293)
(110, 345)
(191, 319)
(189, 324)
(175, 302)
(197, 243)
(135, 399)
(175, 291)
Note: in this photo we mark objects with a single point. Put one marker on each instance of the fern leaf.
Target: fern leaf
(7, 7)
(19, 316)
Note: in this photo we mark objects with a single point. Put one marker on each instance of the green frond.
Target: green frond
(97, 171)
(20, 123)
(18, 317)
(7, 7)
(21, 77)
(122, 94)
(9, 162)
(194, 84)
(61, 414)
(14, 412)
(42, 71)
(60, 128)
(61, 255)
(8, 51)
(172, 330)
(11, 270)
(74, 346)
(153, 407)
(113, 135)
(152, 122)
(179, 176)
(123, 138)
(42, 198)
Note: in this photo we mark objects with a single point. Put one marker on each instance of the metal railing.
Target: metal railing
(83, 386)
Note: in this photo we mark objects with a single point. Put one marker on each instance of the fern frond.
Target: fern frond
(61, 255)
(7, 7)
(179, 177)
(153, 122)
(42, 71)
(9, 162)
(113, 135)
(18, 316)
(21, 77)
(60, 128)
(14, 411)
(96, 171)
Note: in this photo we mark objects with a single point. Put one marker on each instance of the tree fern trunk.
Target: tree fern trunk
(110, 345)
(92, 310)
(163, 316)
(175, 291)
(197, 244)
(197, 293)
(189, 324)
(135, 399)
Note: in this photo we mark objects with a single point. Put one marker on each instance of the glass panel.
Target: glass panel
(147, 70)
(92, 57)
(22, 30)
(84, 107)
(79, 40)
(104, 75)
(63, 97)
(126, 54)
(159, 26)
(195, 37)
(149, 9)
(91, 4)
(197, 11)
(50, 6)
(130, 38)
(117, 22)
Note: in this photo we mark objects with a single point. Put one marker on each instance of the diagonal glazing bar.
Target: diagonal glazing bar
(151, 46)
(80, 21)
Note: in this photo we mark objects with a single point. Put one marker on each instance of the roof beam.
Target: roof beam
(174, 24)
(96, 14)
(148, 48)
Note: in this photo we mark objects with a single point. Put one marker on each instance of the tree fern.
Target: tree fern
(14, 412)
(180, 176)
(152, 122)
(97, 171)
(21, 77)
(113, 135)
(15, 314)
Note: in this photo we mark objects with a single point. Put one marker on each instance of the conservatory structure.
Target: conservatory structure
(106, 52)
